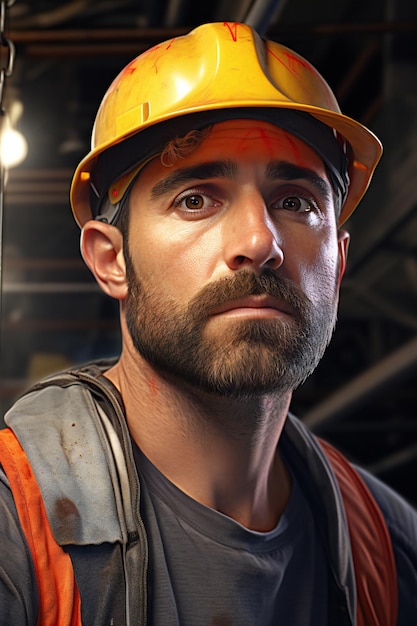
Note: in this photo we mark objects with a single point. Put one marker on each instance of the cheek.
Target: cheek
(180, 260)
(319, 274)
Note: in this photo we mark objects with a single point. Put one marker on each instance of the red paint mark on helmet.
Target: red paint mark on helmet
(150, 51)
(232, 28)
(292, 62)
(127, 71)
(296, 60)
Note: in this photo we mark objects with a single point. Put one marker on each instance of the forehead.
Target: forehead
(253, 139)
(245, 142)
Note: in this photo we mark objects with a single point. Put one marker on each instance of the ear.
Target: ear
(102, 250)
(343, 239)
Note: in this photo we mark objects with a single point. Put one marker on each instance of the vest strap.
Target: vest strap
(59, 599)
(372, 553)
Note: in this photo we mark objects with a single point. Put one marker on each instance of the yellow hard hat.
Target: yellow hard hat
(215, 72)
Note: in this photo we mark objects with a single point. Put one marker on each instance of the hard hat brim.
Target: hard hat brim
(365, 147)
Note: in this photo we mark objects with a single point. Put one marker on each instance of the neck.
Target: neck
(220, 451)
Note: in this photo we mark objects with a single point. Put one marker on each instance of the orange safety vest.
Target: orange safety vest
(59, 600)
(372, 553)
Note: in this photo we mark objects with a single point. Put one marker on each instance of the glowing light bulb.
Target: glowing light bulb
(13, 147)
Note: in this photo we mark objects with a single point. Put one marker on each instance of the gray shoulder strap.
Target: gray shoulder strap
(76, 461)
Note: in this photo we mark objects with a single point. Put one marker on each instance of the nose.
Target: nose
(252, 239)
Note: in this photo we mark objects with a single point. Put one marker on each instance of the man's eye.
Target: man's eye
(195, 201)
(297, 204)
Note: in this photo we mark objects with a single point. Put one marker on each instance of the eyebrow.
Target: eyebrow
(276, 170)
(283, 170)
(204, 171)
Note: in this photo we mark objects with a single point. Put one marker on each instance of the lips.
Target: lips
(262, 305)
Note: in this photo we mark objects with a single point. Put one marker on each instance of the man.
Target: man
(171, 485)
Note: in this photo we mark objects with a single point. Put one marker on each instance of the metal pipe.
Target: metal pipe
(393, 461)
(152, 34)
(362, 387)
(262, 13)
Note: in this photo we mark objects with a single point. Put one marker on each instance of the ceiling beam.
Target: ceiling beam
(344, 401)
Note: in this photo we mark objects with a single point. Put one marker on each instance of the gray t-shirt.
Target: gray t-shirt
(208, 570)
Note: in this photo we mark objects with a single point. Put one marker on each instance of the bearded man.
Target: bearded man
(171, 484)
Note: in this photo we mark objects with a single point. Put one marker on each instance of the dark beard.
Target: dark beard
(248, 359)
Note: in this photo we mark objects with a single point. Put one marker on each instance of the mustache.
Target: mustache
(246, 283)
